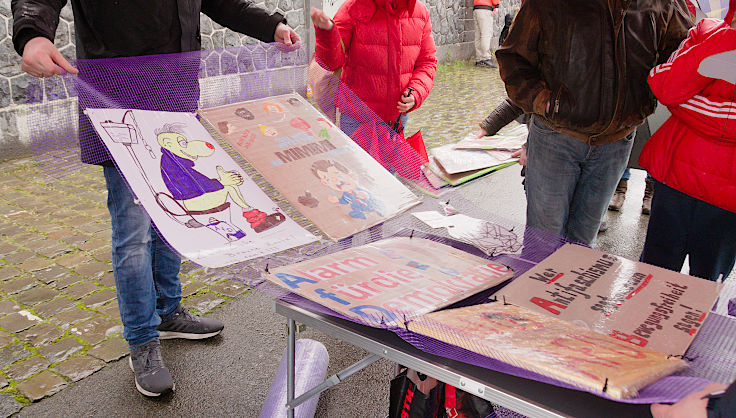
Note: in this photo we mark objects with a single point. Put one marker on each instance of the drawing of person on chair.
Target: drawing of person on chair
(198, 193)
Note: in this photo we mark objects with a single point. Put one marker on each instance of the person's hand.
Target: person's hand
(320, 19)
(42, 59)
(691, 406)
(406, 101)
(521, 155)
(481, 133)
(286, 35)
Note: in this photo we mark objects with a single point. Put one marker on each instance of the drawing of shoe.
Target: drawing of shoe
(260, 221)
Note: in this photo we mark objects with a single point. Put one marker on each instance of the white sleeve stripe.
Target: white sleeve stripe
(719, 115)
(712, 104)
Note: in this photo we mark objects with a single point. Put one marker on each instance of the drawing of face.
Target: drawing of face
(244, 113)
(300, 123)
(323, 123)
(224, 126)
(180, 146)
(337, 180)
(294, 101)
(272, 108)
(267, 130)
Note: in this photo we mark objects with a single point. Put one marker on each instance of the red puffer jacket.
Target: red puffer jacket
(695, 150)
(388, 46)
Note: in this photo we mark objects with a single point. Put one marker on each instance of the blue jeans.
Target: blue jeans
(681, 225)
(627, 176)
(145, 268)
(569, 183)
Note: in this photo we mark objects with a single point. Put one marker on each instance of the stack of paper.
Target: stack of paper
(470, 158)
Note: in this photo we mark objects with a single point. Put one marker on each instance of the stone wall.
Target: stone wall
(452, 22)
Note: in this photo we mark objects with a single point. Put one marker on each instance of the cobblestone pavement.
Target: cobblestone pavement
(59, 320)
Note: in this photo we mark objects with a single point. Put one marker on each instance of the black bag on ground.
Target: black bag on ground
(407, 399)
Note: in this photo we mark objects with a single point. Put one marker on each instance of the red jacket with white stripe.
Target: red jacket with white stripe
(695, 149)
(383, 47)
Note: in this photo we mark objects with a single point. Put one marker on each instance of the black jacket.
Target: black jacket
(590, 59)
(124, 28)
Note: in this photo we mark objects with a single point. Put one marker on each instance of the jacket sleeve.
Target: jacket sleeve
(678, 80)
(332, 46)
(501, 116)
(518, 61)
(243, 16)
(679, 23)
(33, 18)
(422, 79)
(679, 86)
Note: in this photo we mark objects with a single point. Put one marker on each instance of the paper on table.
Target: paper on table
(491, 238)
(513, 139)
(458, 161)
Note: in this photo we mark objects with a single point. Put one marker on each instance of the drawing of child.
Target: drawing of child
(338, 178)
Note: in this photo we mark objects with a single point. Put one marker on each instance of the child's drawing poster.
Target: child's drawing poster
(392, 280)
(202, 202)
(320, 170)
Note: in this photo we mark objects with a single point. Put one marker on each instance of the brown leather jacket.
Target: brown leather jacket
(590, 60)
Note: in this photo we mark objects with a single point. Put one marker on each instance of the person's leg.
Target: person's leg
(483, 34)
(600, 173)
(131, 259)
(619, 195)
(712, 244)
(166, 265)
(552, 172)
(646, 203)
(668, 229)
(348, 124)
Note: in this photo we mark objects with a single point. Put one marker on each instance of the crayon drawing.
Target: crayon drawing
(205, 206)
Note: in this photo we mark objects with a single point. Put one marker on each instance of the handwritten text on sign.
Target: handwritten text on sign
(635, 302)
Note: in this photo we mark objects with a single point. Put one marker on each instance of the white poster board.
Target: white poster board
(200, 200)
(330, 7)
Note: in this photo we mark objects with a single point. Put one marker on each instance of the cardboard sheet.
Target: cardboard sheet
(392, 280)
(641, 304)
(549, 346)
(319, 169)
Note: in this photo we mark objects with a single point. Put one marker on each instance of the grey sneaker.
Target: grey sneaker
(486, 63)
(183, 324)
(152, 378)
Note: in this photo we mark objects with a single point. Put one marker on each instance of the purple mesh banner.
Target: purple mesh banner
(184, 82)
(61, 135)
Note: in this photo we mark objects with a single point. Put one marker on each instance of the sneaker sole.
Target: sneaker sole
(143, 391)
(169, 335)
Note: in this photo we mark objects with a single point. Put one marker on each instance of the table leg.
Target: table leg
(290, 354)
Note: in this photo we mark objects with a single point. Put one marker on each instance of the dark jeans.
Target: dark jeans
(681, 225)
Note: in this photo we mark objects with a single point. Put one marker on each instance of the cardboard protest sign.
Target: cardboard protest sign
(549, 346)
(644, 305)
(392, 280)
(319, 169)
(200, 200)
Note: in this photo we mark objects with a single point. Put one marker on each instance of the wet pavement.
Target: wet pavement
(59, 321)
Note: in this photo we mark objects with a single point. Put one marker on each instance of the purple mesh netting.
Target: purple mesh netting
(173, 82)
(395, 146)
(183, 82)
